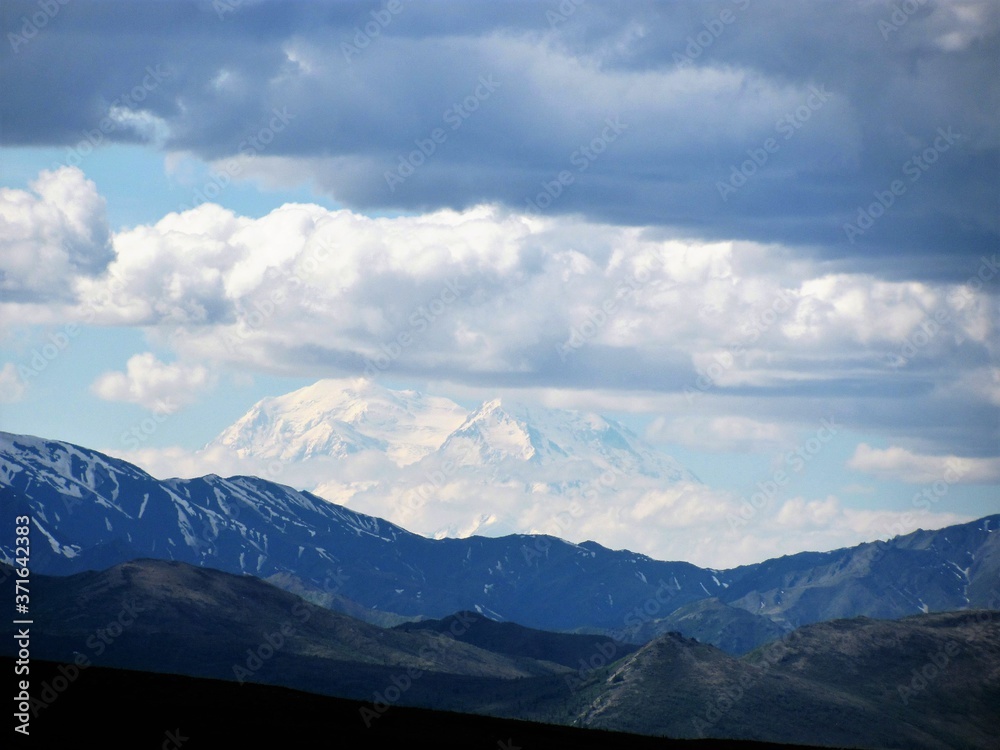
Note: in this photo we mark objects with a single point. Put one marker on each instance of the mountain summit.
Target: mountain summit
(427, 463)
(334, 418)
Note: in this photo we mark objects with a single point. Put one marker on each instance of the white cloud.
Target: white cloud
(50, 235)
(12, 388)
(683, 522)
(721, 433)
(914, 468)
(526, 291)
(826, 524)
(156, 386)
(798, 512)
(487, 295)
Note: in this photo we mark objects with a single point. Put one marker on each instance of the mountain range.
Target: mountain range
(882, 645)
(926, 681)
(90, 511)
(500, 467)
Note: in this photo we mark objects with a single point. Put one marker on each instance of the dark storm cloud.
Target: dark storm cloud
(768, 121)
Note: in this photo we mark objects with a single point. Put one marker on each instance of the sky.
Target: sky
(730, 225)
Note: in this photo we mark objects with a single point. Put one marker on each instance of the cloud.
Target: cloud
(696, 109)
(684, 521)
(153, 385)
(12, 388)
(735, 343)
(722, 433)
(827, 524)
(903, 465)
(51, 235)
(798, 512)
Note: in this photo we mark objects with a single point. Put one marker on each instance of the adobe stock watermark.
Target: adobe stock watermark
(900, 15)
(934, 323)
(222, 7)
(249, 148)
(144, 429)
(97, 643)
(173, 739)
(562, 522)
(419, 320)
(714, 28)
(437, 478)
(923, 500)
(271, 643)
(42, 356)
(127, 100)
(604, 653)
(751, 331)
(597, 318)
(563, 12)
(988, 270)
(793, 463)
(31, 26)
(400, 683)
(250, 321)
(371, 30)
(581, 158)
(728, 697)
(455, 116)
(787, 126)
(57, 343)
(914, 168)
(928, 672)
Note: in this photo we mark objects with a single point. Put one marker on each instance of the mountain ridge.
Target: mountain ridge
(926, 681)
(94, 511)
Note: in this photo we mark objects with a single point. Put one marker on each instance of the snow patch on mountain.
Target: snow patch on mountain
(427, 464)
(336, 418)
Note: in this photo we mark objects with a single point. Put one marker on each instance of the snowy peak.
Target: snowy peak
(492, 434)
(501, 429)
(504, 467)
(333, 418)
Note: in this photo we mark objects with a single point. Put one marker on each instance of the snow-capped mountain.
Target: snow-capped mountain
(503, 467)
(89, 511)
(576, 443)
(334, 418)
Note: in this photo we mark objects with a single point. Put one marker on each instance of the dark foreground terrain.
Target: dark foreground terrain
(113, 708)
(931, 681)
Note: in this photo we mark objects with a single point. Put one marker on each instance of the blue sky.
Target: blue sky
(720, 222)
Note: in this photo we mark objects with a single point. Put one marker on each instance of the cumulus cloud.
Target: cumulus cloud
(50, 235)
(517, 300)
(722, 433)
(826, 523)
(798, 512)
(904, 465)
(12, 388)
(154, 385)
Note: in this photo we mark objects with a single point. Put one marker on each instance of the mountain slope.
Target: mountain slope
(90, 511)
(333, 418)
(731, 629)
(425, 463)
(512, 639)
(175, 617)
(138, 710)
(930, 681)
(948, 569)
